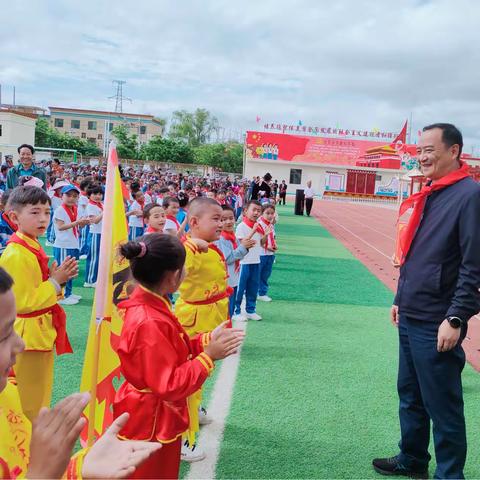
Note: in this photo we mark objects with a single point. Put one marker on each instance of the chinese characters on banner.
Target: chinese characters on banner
(304, 129)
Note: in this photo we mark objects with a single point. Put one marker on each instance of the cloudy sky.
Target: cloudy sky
(353, 64)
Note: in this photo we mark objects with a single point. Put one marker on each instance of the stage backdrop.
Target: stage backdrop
(315, 150)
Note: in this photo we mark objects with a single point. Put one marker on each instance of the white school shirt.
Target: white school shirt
(56, 202)
(148, 198)
(94, 210)
(82, 206)
(133, 220)
(309, 192)
(253, 255)
(65, 238)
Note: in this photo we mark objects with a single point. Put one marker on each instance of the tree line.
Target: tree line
(187, 142)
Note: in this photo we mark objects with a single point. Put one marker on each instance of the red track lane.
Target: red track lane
(369, 233)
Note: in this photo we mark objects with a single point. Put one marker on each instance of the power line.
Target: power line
(119, 98)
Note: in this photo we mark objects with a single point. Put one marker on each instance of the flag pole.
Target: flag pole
(103, 279)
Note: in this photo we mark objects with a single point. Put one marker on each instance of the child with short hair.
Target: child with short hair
(7, 227)
(233, 251)
(82, 210)
(136, 226)
(161, 365)
(154, 217)
(171, 206)
(250, 264)
(267, 258)
(94, 213)
(67, 232)
(40, 321)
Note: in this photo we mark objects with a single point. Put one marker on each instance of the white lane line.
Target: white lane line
(211, 436)
(356, 236)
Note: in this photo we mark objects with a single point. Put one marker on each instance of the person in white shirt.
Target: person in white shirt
(66, 224)
(94, 213)
(136, 225)
(250, 264)
(82, 209)
(267, 258)
(309, 195)
(56, 196)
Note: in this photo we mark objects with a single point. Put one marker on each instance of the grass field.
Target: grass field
(316, 392)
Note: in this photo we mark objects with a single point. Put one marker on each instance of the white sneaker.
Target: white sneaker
(253, 316)
(82, 257)
(68, 301)
(191, 454)
(203, 418)
(89, 285)
(239, 318)
(264, 298)
(76, 297)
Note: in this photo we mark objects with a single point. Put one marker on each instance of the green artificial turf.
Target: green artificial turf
(316, 391)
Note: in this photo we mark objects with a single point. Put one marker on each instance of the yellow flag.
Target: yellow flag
(101, 366)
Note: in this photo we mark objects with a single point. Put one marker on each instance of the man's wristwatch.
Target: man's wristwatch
(455, 322)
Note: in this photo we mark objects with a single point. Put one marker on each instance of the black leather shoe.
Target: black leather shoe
(392, 467)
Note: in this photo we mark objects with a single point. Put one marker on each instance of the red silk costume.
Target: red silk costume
(162, 367)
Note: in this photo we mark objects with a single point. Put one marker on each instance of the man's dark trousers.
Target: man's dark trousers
(308, 205)
(430, 387)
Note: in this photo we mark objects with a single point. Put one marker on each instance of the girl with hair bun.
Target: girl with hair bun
(162, 366)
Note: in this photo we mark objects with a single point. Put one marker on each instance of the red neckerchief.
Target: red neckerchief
(418, 200)
(57, 194)
(271, 243)
(174, 220)
(59, 318)
(72, 215)
(98, 204)
(250, 223)
(230, 236)
(7, 220)
(151, 230)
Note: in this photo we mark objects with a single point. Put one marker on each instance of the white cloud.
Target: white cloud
(361, 64)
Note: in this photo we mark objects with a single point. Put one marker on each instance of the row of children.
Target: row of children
(164, 370)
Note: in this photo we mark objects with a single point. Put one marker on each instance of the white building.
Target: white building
(15, 128)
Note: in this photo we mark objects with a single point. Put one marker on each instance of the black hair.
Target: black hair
(163, 190)
(164, 253)
(147, 210)
(5, 196)
(6, 281)
(267, 177)
(182, 199)
(451, 135)
(252, 202)
(26, 145)
(94, 188)
(85, 184)
(135, 186)
(167, 201)
(3, 168)
(266, 206)
(221, 192)
(228, 207)
(26, 195)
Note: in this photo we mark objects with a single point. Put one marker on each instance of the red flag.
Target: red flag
(401, 138)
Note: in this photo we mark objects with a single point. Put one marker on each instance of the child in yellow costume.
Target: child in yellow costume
(41, 322)
(203, 302)
(44, 451)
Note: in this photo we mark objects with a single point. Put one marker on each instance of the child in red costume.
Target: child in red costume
(162, 366)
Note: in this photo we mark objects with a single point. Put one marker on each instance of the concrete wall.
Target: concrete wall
(16, 129)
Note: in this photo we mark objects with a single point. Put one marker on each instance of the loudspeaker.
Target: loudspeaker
(299, 201)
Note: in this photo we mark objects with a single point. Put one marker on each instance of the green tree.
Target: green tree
(226, 157)
(166, 150)
(127, 146)
(194, 128)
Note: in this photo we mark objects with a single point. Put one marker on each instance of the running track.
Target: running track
(369, 232)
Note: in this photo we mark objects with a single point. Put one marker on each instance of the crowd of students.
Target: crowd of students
(203, 240)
